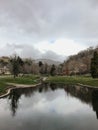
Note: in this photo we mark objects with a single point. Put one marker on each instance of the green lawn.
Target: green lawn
(29, 79)
(73, 80)
(33, 79)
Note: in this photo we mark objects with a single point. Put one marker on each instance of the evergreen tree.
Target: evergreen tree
(53, 70)
(41, 66)
(45, 68)
(40, 63)
(16, 62)
(94, 65)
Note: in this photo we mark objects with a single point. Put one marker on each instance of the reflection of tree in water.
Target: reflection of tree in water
(84, 94)
(53, 87)
(14, 97)
(95, 101)
(46, 87)
(88, 96)
(16, 94)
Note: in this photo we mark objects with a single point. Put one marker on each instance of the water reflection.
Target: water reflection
(51, 107)
(85, 95)
(16, 94)
(95, 101)
(14, 98)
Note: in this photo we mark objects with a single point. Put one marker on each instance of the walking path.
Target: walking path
(15, 86)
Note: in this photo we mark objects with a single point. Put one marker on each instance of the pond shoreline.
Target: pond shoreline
(83, 81)
(16, 86)
(12, 86)
(87, 86)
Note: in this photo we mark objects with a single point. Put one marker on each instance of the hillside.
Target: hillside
(75, 64)
(48, 61)
(80, 63)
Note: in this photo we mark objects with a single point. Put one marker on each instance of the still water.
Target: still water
(48, 107)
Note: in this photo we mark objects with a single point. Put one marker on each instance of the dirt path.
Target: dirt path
(15, 86)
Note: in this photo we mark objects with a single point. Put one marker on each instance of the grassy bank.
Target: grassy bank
(73, 80)
(26, 80)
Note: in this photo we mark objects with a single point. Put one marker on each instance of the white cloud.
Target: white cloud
(38, 20)
(64, 47)
(72, 23)
(53, 56)
(29, 51)
(54, 50)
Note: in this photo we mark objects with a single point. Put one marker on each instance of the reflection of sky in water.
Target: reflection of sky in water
(51, 110)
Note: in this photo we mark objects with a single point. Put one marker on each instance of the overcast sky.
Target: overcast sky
(47, 28)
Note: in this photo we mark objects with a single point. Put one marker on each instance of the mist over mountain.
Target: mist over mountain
(48, 61)
(29, 51)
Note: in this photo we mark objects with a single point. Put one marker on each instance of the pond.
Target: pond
(50, 107)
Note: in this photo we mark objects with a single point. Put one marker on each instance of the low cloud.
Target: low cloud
(63, 47)
(52, 55)
(28, 51)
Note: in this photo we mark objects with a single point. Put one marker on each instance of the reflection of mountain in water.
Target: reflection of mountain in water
(84, 94)
(88, 96)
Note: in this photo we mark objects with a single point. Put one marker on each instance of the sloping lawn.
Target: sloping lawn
(26, 80)
(73, 80)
